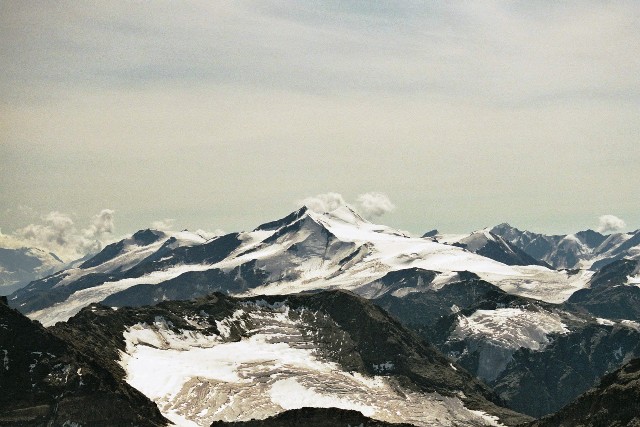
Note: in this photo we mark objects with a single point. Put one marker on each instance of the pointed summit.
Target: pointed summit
(279, 223)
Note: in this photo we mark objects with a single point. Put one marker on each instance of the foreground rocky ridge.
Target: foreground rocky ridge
(317, 417)
(47, 381)
(338, 327)
(614, 402)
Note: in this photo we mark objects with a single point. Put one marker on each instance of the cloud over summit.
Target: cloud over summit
(370, 205)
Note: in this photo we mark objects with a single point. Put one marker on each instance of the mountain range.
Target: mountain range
(20, 266)
(585, 249)
(487, 328)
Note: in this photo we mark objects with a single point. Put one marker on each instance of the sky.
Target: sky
(222, 115)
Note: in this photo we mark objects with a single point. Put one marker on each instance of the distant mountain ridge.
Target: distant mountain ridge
(302, 251)
(585, 249)
(20, 266)
(486, 243)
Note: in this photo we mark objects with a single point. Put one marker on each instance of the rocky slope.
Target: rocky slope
(611, 293)
(537, 356)
(47, 381)
(614, 402)
(228, 359)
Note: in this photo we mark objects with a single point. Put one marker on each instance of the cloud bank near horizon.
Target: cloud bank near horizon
(58, 233)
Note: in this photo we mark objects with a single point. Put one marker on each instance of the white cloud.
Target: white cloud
(373, 205)
(163, 224)
(610, 224)
(323, 202)
(10, 241)
(370, 205)
(58, 233)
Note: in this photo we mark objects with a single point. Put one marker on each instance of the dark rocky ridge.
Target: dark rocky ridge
(422, 311)
(373, 335)
(313, 417)
(614, 402)
(48, 381)
(541, 382)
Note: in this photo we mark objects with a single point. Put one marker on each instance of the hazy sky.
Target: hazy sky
(221, 115)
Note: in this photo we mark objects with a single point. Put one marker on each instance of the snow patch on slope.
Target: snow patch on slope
(511, 327)
(497, 334)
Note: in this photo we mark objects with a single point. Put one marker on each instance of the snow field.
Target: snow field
(196, 379)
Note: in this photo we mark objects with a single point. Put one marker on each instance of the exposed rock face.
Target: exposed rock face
(48, 381)
(614, 402)
(350, 345)
(609, 295)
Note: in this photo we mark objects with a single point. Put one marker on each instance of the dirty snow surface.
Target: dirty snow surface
(196, 378)
(497, 334)
(511, 327)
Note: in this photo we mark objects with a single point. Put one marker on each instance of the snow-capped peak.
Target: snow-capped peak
(344, 213)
